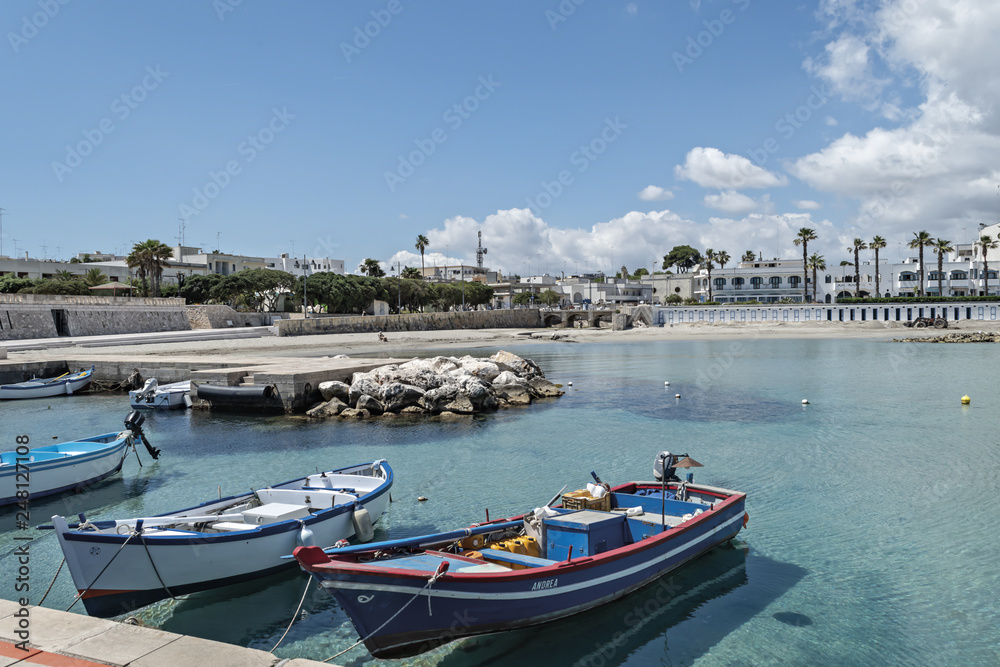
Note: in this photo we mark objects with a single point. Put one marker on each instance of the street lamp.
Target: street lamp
(305, 289)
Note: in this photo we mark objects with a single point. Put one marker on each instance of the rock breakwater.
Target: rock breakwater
(443, 386)
(970, 337)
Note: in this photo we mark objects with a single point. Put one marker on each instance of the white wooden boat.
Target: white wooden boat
(120, 565)
(46, 387)
(43, 471)
(160, 396)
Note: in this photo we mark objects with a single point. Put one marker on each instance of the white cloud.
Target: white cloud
(403, 216)
(731, 201)
(932, 165)
(711, 168)
(847, 69)
(830, 120)
(655, 193)
(632, 9)
(807, 204)
(521, 243)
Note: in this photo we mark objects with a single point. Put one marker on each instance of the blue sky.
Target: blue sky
(574, 136)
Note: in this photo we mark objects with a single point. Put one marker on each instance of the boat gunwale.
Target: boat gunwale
(348, 568)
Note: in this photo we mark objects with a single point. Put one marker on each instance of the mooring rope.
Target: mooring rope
(86, 590)
(295, 615)
(58, 570)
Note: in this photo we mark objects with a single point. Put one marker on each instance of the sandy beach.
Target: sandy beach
(404, 344)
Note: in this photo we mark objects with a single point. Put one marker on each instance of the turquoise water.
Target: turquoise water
(870, 538)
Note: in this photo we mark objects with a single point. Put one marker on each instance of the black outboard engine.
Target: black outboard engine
(134, 422)
(663, 466)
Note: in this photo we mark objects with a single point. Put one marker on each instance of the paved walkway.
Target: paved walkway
(62, 639)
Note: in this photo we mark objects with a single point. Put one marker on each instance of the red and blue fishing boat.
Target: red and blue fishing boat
(408, 596)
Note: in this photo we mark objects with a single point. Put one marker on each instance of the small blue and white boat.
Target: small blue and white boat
(68, 466)
(120, 565)
(408, 596)
(47, 387)
(155, 396)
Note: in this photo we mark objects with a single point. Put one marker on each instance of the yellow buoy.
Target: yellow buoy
(966, 400)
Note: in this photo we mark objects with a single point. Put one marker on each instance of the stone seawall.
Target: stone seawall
(36, 316)
(473, 319)
(222, 317)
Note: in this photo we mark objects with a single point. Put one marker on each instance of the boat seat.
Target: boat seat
(516, 559)
(231, 526)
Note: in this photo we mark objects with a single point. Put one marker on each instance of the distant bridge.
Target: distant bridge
(567, 319)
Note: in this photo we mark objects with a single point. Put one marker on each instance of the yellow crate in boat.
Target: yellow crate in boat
(582, 500)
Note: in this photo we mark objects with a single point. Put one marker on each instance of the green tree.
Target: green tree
(411, 273)
(674, 299)
(256, 290)
(370, 267)
(94, 277)
(523, 299)
(804, 236)
(816, 263)
(74, 287)
(877, 244)
(920, 241)
(710, 257)
(857, 246)
(684, 257)
(722, 258)
(550, 297)
(984, 245)
(11, 284)
(941, 246)
(149, 258)
(198, 288)
(748, 256)
(421, 245)
(64, 275)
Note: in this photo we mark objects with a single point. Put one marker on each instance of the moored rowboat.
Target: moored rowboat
(47, 387)
(524, 571)
(120, 565)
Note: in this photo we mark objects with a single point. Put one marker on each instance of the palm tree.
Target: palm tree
(748, 256)
(722, 258)
(816, 263)
(149, 258)
(941, 246)
(411, 273)
(857, 246)
(371, 267)
(421, 245)
(921, 240)
(984, 244)
(64, 275)
(710, 256)
(94, 277)
(876, 244)
(803, 238)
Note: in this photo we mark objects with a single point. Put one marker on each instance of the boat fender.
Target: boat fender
(305, 536)
(362, 524)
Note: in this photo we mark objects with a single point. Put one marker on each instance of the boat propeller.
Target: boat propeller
(134, 422)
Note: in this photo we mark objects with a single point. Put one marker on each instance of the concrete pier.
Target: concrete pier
(294, 379)
(62, 639)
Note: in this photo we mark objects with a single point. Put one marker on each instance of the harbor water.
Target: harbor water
(869, 542)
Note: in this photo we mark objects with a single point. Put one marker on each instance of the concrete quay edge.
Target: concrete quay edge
(74, 640)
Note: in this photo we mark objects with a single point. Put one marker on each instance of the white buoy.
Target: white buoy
(666, 384)
(570, 384)
(677, 395)
(805, 401)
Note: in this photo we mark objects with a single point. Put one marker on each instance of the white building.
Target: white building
(297, 266)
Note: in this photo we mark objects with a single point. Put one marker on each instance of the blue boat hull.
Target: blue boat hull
(459, 605)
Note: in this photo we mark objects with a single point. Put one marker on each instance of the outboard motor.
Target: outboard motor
(148, 390)
(134, 422)
(663, 466)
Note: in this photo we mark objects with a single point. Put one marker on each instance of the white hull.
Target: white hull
(180, 559)
(46, 388)
(166, 397)
(76, 467)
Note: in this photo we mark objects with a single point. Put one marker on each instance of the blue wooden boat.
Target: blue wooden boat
(68, 466)
(405, 597)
